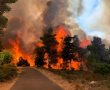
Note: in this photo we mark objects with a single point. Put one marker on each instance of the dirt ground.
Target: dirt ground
(7, 85)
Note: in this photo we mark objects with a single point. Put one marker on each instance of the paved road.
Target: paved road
(31, 79)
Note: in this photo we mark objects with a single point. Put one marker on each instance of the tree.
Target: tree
(4, 7)
(39, 60)
(72, 50)
(50, 44)
(78, 52)
(67, 52)
(98, 50)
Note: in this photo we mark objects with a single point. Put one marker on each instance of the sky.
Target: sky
(95, 18)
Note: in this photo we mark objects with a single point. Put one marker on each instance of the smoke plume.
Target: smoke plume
(28, 18)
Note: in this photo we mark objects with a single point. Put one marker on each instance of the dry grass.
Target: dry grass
(82, 83)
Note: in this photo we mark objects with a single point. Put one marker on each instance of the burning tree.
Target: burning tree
(50, 44)
(59, 50)
(72, 52)
(39, 60)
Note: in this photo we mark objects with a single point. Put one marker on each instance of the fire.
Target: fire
(75, 65)
(58, 65)
(85, 43)
(61, 32)
(39, 44)
(18, 52)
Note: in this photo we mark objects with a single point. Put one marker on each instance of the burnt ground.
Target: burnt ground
(30, 79)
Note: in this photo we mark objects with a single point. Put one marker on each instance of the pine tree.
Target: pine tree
(50, 44)
(4, 7)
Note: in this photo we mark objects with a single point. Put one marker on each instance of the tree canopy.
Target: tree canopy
(4, 7)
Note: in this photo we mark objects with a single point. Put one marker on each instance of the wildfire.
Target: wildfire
(39, 44)
(85, 43)
(18, 52)
(61, 32)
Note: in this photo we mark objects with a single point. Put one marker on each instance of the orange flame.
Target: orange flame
(18, 52)
(61, 32)
(58, 65)
(39, 44)
(85, 43)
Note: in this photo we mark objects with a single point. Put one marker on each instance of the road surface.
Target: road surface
(31, 79)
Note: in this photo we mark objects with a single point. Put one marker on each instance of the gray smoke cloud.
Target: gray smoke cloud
(28, 18)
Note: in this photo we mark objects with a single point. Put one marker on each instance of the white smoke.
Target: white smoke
(95, 17)
(28, 18)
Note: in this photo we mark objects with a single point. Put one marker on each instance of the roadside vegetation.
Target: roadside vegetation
(7, 70)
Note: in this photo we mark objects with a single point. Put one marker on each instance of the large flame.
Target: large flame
(61, 32)
(18, 52)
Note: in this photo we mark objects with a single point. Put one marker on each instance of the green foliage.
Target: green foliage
(103, 69)
(98, 50)
(5, 57)
(7, 71)
(99, 58)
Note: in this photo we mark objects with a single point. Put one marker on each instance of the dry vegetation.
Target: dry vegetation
(77, 80)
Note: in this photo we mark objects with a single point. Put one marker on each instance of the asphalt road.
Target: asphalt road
(31, 79)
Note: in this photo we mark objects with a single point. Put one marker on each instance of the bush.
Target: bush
(5, 57)
(103, 69)
(23, 62)
(7, 71)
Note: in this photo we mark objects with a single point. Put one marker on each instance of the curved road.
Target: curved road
(31, 79)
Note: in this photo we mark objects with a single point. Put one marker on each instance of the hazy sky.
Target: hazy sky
(95, 18)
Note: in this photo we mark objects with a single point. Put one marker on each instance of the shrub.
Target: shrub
(7, 71)
(102, 69)
(5, 57)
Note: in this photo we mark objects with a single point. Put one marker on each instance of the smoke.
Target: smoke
(102, 17)
(28, 18)
(94, 18)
